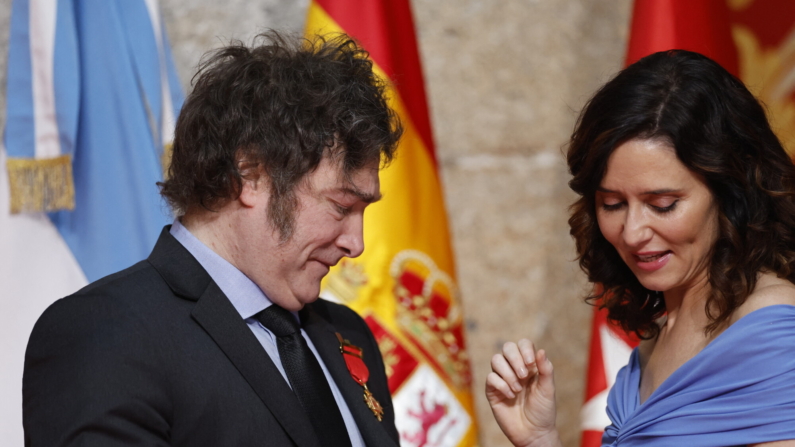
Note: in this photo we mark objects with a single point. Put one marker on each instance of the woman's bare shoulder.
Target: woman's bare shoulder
(790, 443)
(769, 291)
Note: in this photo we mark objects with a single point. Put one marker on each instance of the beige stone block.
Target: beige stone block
(516, 271)
(197, 26)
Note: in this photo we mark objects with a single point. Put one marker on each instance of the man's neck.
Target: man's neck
(215, 230)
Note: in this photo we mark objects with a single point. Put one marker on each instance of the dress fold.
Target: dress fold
(740, 389)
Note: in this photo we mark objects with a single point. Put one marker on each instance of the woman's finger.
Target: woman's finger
(496, 383)
(528, 351)
(500, 365)
(546, 379)
(511, 353)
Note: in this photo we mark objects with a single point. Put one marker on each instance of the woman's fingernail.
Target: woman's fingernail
(516, 387)
(522, 373)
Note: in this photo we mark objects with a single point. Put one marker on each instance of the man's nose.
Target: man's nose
(636, 227)
(351, 241)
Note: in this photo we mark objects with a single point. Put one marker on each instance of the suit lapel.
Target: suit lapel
(219, 318)
(322, 334)
(216, 315)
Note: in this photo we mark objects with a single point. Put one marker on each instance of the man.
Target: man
(218, 338)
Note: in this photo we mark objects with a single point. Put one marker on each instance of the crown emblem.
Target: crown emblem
(345, 281)
(429, 313)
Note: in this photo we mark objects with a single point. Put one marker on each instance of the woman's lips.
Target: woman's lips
(651, 261)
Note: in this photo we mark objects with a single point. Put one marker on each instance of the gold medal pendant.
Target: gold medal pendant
(359, 372)
(373, 404)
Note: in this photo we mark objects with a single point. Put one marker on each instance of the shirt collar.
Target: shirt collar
(247, 298)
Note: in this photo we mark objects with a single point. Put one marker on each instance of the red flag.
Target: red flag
(695, 25)
(610, 350)
(754, 40)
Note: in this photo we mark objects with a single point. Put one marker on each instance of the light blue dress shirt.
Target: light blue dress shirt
(249, 300)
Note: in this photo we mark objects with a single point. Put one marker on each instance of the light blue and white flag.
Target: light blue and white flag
(92, 97)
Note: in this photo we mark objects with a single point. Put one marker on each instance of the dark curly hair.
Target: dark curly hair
(282, 104)
(720, 132)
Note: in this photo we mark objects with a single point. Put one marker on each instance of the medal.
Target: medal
(353, 360)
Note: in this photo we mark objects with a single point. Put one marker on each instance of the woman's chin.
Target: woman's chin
(655, 284)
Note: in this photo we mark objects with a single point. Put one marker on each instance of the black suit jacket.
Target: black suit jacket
(156, 355)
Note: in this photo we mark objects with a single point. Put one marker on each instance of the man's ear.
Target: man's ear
(254, 188)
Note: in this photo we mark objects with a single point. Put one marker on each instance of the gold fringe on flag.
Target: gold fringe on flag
(165, 158)
(41, 184)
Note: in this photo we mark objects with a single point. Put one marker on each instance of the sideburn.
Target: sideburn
(281, 213)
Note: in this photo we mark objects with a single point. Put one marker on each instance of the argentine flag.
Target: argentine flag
(92, 97)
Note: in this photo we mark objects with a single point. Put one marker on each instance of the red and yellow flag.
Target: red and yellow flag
(404, 284)
(752, 39)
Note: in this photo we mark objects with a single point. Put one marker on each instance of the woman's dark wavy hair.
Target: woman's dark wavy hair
(282, 104)
(720, 132)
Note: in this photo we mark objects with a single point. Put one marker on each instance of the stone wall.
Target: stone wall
(506, 79)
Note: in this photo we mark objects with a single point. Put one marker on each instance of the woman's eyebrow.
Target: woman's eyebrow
(655, 192)
(658, 192)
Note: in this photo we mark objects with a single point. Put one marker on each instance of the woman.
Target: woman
(686, 217)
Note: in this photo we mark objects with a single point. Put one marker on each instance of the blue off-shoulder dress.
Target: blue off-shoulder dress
(740, 389)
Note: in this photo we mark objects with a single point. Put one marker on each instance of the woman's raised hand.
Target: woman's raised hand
(521, 392)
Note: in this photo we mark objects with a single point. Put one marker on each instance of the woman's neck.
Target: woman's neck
(686, 303)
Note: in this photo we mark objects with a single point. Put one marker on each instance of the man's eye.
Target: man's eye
(344, 210)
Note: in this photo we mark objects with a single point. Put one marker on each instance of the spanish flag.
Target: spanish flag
(404, 284)
(752, 39)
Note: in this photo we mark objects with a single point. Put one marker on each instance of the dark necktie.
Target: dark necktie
(306, 377)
